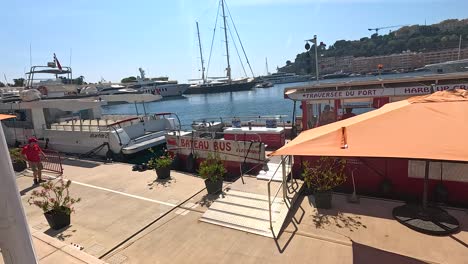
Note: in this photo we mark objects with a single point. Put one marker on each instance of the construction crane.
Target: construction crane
(379, 28)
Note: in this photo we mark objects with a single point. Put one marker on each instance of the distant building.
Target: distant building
(402, 61)
(444, 55)
(336, 64)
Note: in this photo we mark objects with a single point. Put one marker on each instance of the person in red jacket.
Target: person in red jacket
(32, 152)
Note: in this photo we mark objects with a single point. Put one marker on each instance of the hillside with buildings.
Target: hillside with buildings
(407, 48)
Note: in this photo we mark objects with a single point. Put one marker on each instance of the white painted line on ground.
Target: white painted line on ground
(125, 194)
(117, 192)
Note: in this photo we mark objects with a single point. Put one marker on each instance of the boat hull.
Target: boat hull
(165, 90)
(130, 98)
(220, 88)
(170, 90)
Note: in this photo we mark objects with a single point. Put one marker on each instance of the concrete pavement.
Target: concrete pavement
(120, 207)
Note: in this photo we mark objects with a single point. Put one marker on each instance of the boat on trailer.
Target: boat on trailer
(383, 177)
(77, 126)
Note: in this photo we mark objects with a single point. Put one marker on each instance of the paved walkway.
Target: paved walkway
(50, 251)
(128, 217)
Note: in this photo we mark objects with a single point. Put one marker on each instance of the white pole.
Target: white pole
(316, 59)
(15, 239)
(459, 47)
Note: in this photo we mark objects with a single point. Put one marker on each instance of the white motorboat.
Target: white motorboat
(119, 95)
(77, 126)
(161, 86)
(51, 80)
(282, 77)
(204, 125)
(62, 85)
(10, 93)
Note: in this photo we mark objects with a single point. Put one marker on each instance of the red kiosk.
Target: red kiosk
(396, 178)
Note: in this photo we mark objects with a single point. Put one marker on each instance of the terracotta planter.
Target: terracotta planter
(323, 199)
(57, 219)
(163, 173)
(214, 187)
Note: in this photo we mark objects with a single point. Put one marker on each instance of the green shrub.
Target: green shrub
(327, 173)
(212, 168)
(163, 161)
(158, 162)
(16, 156)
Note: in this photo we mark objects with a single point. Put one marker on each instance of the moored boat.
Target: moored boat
(161, 86)
(264, 85)
(283, 77)
(221, 87)
(223, 84)
(76, 126)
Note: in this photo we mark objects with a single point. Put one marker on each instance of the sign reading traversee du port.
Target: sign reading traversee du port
(377, 92)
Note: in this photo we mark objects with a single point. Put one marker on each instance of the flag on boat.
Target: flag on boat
(57, 63)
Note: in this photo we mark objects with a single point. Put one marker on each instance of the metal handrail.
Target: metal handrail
(270, 201)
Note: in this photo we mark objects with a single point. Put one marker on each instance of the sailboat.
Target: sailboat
(225, 84)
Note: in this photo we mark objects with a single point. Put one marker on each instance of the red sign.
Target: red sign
(229, 150)
(377, 92)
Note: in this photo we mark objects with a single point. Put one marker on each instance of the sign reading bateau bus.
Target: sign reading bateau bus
(375, 92)
(228, 150)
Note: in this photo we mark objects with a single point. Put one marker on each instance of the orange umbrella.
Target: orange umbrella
(424, 127)
(3, 117)
(430, 127)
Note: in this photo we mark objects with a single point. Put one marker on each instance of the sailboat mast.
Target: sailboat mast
(228, 69)
(266, 65)
(201, 55)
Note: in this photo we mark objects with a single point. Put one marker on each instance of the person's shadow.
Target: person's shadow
(26, 190)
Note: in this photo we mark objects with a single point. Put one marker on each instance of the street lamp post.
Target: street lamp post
(307, 47)
(316, 59)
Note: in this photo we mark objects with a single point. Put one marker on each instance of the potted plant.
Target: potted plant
(323, 177)
(17, 160)
(213, 171)
(162, 165)
(55, 201)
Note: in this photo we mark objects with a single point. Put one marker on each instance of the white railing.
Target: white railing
(76, 126)
(286, 167)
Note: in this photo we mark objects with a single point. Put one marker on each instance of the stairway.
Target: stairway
(272, 168)
(248, 212)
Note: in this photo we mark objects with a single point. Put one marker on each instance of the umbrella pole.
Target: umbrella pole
(426, 182)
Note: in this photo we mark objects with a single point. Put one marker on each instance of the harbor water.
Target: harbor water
(256, 102)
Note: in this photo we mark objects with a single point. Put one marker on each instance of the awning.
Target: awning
(3, 117)
(432, 127)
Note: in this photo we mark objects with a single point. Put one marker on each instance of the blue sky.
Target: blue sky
(112, 39)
